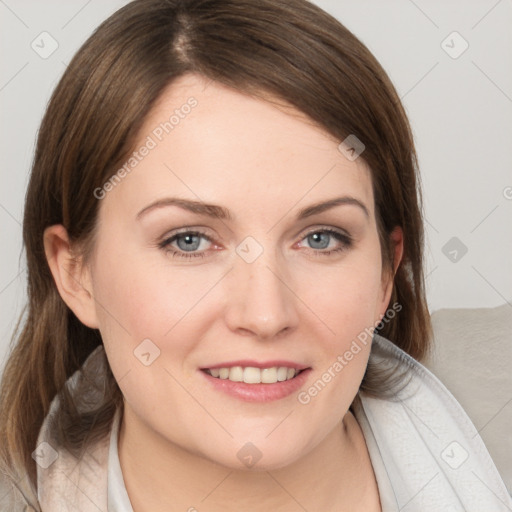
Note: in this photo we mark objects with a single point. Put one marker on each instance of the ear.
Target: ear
(397, 244)
(73, 280)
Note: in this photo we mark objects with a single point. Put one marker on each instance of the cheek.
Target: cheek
(144, 297)
(345, 297)
(140, 298)
(148, 316)
(347, 305)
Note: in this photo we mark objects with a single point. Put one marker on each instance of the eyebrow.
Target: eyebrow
(219, 212)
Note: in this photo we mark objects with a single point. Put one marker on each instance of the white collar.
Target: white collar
(118, 500)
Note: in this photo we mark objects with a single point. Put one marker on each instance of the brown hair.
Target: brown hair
(287, 49)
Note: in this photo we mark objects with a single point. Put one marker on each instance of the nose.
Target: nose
(260, 299)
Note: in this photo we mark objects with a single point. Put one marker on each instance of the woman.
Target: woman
(224, 246)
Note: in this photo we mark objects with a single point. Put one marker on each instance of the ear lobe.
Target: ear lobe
(71, 277)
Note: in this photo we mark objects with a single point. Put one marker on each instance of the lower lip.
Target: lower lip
(258, 392)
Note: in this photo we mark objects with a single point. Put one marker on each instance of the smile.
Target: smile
(252, 375)
(255, 381)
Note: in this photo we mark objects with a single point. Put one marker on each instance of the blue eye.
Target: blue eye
(321, 238)
(187, 243)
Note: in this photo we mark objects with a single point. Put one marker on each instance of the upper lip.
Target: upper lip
(257, 364)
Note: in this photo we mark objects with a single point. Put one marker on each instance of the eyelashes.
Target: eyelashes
(186, 235)
(192, 238)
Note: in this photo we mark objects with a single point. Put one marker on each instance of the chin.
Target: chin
(256, 456)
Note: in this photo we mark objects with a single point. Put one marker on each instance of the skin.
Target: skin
(179, 436)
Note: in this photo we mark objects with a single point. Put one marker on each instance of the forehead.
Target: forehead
(205, 141)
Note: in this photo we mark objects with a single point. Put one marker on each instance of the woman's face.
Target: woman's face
(264, 278)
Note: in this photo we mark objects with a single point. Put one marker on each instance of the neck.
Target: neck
(335, 475)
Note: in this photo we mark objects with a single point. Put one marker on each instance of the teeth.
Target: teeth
(282, 373)
(251, 375)
(269, 375)
(236, 374)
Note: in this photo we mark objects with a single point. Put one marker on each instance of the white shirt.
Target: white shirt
(118, 500)
(425, 452)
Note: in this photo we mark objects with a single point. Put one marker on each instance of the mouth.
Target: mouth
(254, 375)
(256, 382)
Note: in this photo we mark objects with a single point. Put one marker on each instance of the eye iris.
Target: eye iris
(316, 238)
(191, 242)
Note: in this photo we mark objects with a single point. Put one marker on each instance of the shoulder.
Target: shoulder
(432, 452)
(71, 479)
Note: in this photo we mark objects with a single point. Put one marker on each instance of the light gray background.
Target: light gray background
(460, 109)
